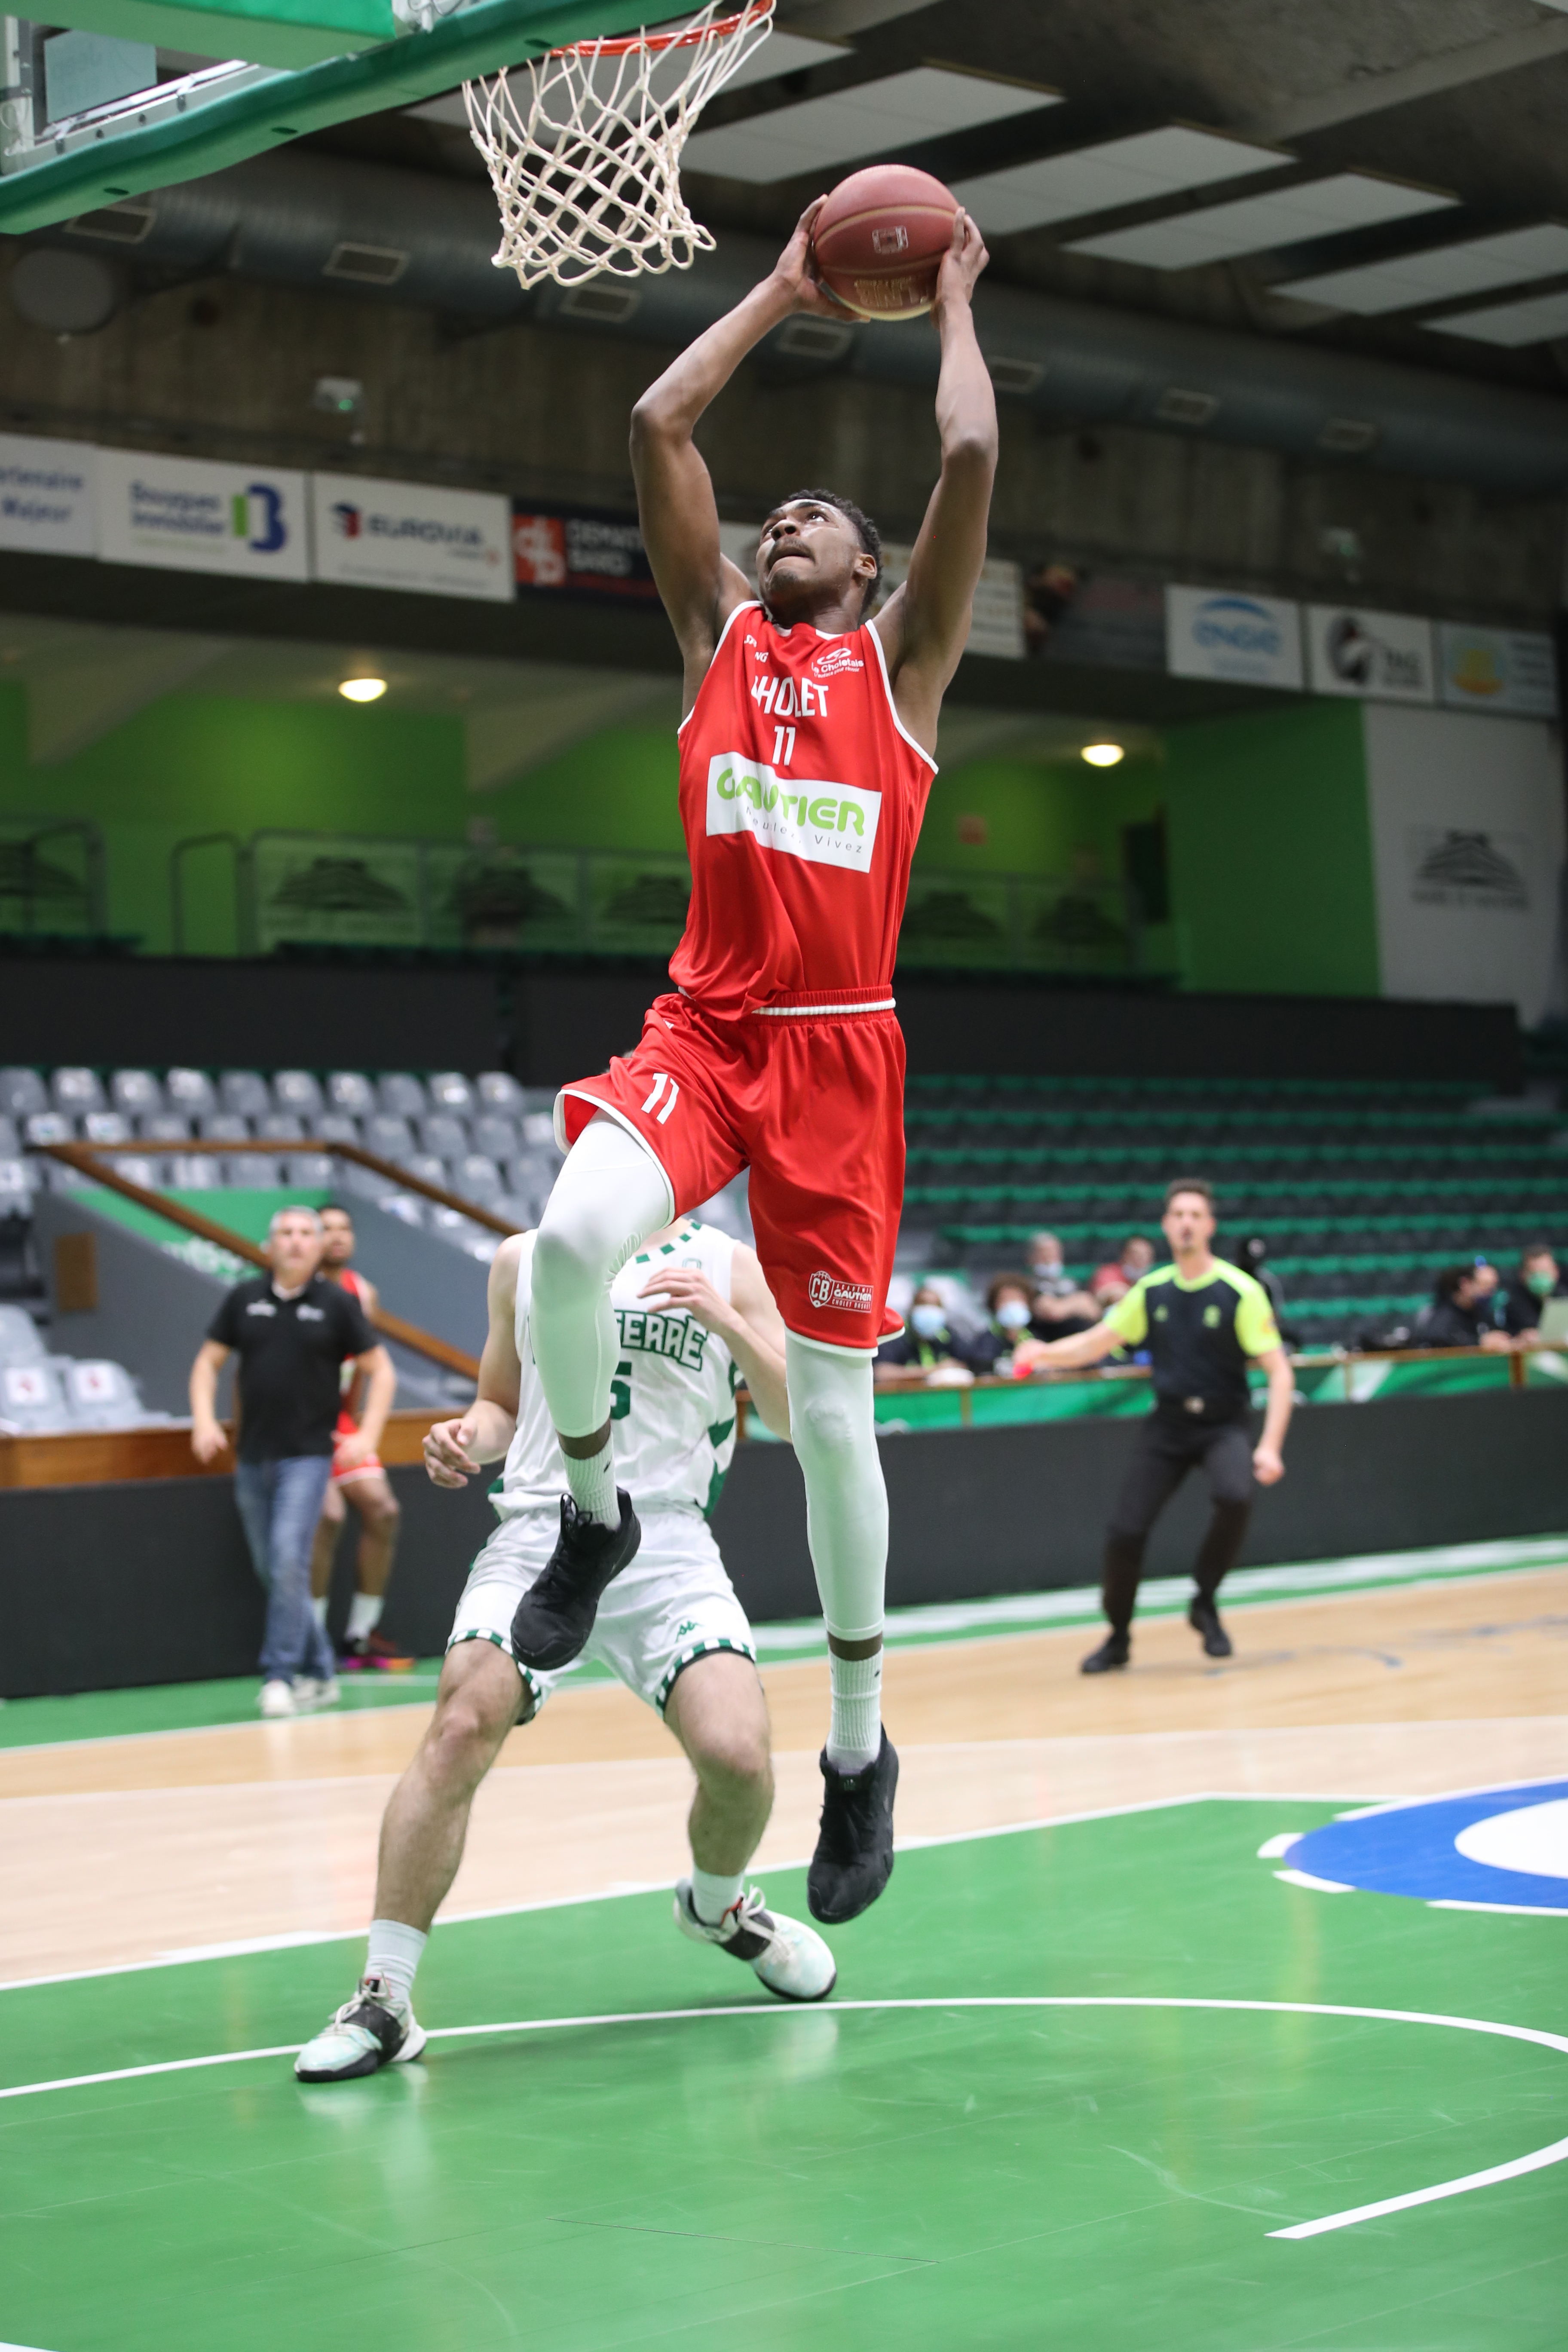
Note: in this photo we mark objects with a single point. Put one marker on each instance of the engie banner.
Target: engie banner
(374, 534)
(47, 495)
(1223, 633)
(186, 514)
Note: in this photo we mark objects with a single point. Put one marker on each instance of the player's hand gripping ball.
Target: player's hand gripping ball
(879, 240)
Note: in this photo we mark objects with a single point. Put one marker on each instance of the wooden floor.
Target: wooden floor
(124, 1850)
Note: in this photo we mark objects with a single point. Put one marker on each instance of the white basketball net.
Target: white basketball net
(584, 146)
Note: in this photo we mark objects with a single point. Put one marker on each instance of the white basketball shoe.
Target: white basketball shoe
(311, 1691)
(277, 1699)
(788, 1956)
(373, 2030)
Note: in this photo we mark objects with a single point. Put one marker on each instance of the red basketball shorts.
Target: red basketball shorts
(813, 1103)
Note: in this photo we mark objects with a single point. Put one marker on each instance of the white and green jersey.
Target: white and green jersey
(672, 1403)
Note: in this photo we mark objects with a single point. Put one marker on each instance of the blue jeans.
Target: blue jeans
(279, 1503)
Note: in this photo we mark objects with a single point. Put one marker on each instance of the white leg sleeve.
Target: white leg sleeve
(610, 1195)
(834, 1432)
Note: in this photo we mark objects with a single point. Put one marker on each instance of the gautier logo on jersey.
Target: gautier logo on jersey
(829, 1290)
(831, 825)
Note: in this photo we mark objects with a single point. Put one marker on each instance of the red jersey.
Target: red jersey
(801, 796)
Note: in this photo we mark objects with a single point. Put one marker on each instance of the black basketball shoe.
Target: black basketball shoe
(556, 1615)
(1203, 1619)
(854, 1857)
(1113, 1651)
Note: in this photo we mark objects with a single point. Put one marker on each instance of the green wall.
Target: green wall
(1040, 817)
(1270, 848)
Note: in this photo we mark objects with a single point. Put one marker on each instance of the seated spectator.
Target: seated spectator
(1059, 1306)
(1539, 1279)
(1459, 1315)
(927, 1345)
(1137, 1257)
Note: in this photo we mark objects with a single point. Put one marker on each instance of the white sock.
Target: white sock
(712, 1894)
(855, 1730)
(318, 1608)
(365, 1614)
(394, 1954)
(591, 1481)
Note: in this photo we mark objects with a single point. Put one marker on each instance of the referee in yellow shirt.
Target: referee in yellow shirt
(1202, 1322)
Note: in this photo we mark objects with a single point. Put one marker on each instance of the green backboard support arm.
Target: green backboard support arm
(151, 140)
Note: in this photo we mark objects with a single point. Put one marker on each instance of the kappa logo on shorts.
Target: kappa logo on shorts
(848, 1298)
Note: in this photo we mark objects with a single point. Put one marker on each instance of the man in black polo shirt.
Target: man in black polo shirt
(291, 1331)
(1202, 1322)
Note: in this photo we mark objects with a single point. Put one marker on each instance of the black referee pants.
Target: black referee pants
(1167, 1451)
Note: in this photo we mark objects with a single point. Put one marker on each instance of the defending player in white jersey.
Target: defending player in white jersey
(693, 1317)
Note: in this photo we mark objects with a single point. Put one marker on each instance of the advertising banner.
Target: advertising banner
(1222, 632)
(997, 628)
(431, 542)
(580, 551)
(1375, 656)
(186, 514)
(1512, 670)
(47, 495)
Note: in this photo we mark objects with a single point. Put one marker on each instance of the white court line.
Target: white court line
(1536, 2161)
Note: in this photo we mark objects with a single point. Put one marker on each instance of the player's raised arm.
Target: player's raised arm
(698, 586)
(456, 1450)
(924, 625)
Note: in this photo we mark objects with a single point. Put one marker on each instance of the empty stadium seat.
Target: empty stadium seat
(450, 1091)
(10, 1136)
(389, 1137)
(103, 1395)
(499, 1091)
(309, 1169)
(22, 1092)
(427, 1168)
(224, 1127)
(197, 1171)
(139, 1170)
(190, 1091)
(477, 1178)
(15, 1187)
(247, 1171)
(335, 1127)
(245, 1091)
(137, 1092)
(497, 1137)
(163, 1126)
(445, 1137)
(298, 1091)
(106, 1127)
(32, 1397)
(21, 1342)
(49, 1126)
(351, 1092)
(401, 1096)
(75, 1091)
(280, 1127)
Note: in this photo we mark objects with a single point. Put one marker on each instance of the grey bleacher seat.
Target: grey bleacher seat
(224, 1127)
(351, 1091)
(21, 1342)
(477, 1178)
(298, 1091)
(60, 1178)
(443, 1136)
(136, 1169)
(76, 1090)
(363, 1183)
(22, 1092)
(402, 1096)
(245, 1091)
(427, 1168)
(190, 1091)
(280, 1127)
(498, 1090)
(17, 1187)
(102, 1395)
(136, 1093)
(388, 1137)
(49, 1126)
(451, 1225)
(539, 1131)
(163, 1126)
(497, 1137)
(408, 1206)
(106, 1127)
(10, 1136)
(450, 1090)
(33, 1398)
(335, 1127)
(310, 1170)
(195, 1171)
(247, 1171)
(520, 1214)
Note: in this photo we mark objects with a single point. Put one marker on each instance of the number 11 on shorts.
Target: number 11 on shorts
(657, 1095)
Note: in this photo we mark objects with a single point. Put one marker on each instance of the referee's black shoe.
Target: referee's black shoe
(854, 1857)
(556, 1615)
(1203, 1619)
(1113, 1651)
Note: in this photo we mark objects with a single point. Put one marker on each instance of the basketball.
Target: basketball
(879, 237)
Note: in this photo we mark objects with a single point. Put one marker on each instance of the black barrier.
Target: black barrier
(103, 1587)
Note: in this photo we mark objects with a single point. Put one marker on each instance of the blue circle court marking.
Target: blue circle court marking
(1492, 1848)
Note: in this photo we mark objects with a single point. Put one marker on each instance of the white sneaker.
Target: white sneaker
(788, 1956)
(310, 1692)
(277, 1697)
(373, 2030)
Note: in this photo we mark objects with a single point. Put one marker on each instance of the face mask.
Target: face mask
(928, 1321)
(1012, 1315)
(1541, 1281)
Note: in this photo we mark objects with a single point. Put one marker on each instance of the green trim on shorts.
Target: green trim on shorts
(481, 1633)
(688, 1657)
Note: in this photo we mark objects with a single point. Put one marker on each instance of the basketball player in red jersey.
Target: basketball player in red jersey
(359, 1480)
(807, 755)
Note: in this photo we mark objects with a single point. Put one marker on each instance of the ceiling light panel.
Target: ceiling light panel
(1137, 171)
(1476, 266)
(783, 53)
(1540, 318)
(875, 117)
(1260, 224)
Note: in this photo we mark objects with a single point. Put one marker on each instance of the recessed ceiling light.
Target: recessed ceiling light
(1102, 755)
(370, 689)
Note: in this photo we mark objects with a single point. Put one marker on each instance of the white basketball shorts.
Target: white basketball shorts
(672, 1604)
